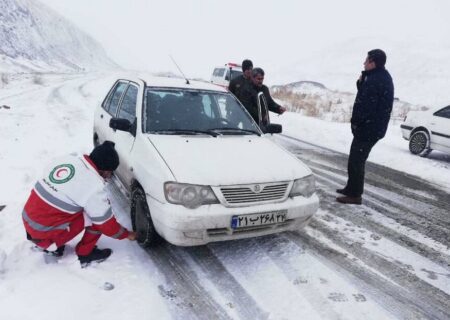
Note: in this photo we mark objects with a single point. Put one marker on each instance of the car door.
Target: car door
(109, 110)
(440, 129)
(125, 140)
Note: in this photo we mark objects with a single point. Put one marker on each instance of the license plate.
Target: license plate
(258, 219)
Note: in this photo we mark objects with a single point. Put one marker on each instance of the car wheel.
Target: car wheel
(419, 143)
(141, 220)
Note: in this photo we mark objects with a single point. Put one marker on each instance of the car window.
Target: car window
(234, 74)
(115, 99)
(107, 101)
(218, 72)
(445, 113)
(128, 105)
(184, 109)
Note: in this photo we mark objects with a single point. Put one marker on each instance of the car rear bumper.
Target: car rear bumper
(210, 223)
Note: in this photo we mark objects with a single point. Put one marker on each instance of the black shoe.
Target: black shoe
(349, 200)
(342, 191)
(57, 253)
(97, 255)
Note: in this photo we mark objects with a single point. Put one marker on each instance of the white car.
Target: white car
(224, 74)
(197, 167)
(427, 131)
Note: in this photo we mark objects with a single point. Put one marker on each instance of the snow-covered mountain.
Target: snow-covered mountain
(35, 38)
(419, 67)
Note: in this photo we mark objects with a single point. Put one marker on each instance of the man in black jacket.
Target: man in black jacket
(237, 83)
(370, 118)
(249, 98)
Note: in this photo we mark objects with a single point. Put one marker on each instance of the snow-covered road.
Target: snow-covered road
(386, 259)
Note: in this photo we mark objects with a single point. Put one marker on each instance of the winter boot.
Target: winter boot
(97, 255)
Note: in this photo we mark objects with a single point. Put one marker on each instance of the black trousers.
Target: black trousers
(359, 152)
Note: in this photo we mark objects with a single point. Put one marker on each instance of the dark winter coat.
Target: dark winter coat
(237, 84)
(373, 105)
(249, 98)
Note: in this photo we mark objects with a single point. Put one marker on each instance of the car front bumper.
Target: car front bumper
(209, 223)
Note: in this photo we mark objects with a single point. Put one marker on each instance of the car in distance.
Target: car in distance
(427, 131)
(196, 167)
(222, 75)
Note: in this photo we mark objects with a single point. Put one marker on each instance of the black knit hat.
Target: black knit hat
(105, 157)
(247, 64)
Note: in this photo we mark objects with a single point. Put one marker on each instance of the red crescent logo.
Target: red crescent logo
(58, 173)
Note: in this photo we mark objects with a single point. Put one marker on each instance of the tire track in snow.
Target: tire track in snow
(228, 286)
(275, 247)
(392, 297)
(431, 299)
(436, 229)
(190, 299)
(360, 216)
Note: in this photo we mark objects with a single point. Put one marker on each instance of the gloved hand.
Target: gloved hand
(131, 236)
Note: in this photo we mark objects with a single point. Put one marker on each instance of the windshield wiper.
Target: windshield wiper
(236, 130)
(184, 131)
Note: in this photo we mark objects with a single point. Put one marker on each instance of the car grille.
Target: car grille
(247, 194)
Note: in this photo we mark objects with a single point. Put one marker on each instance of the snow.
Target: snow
(392, 151)
(34, 38)
(55, 117)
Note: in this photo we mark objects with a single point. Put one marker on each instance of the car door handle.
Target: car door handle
(101, 116)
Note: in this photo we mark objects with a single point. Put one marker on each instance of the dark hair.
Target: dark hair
(105, 157)
(257, 71)
(378, 56)
(247, 64)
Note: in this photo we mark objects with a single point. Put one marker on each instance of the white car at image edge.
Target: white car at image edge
(196, 167)
(427, 130)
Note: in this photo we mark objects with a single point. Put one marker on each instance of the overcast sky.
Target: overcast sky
(201, 34)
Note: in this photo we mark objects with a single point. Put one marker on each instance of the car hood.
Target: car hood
(227, 160)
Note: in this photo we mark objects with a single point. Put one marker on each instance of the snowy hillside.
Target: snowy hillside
(314, 99)
(35, 38)
(420, 72)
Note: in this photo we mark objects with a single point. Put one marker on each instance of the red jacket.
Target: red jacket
(71, 187)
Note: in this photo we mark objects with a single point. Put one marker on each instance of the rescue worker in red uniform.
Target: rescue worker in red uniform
(70, 198)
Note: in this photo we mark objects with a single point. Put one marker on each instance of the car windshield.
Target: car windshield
(184, 111)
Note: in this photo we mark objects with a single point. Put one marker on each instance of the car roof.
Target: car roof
(173, 82)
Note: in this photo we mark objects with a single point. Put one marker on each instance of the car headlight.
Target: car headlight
(304, 187)
(189, 195)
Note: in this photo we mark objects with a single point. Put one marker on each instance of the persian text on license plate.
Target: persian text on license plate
(258, 219)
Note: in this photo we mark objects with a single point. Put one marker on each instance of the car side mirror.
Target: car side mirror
(272, 128)
(123, 125)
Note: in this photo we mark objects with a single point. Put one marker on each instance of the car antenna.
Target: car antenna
(179, 69)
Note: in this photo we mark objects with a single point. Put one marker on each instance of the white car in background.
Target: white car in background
(427, 131)
(222, 75)
(197, 167)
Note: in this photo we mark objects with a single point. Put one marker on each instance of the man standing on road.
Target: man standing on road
(249, 98)
(370, 118)
(238, 83)
(70, 196)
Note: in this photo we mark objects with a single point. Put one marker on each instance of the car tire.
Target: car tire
(419, 143)
(141, 220)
